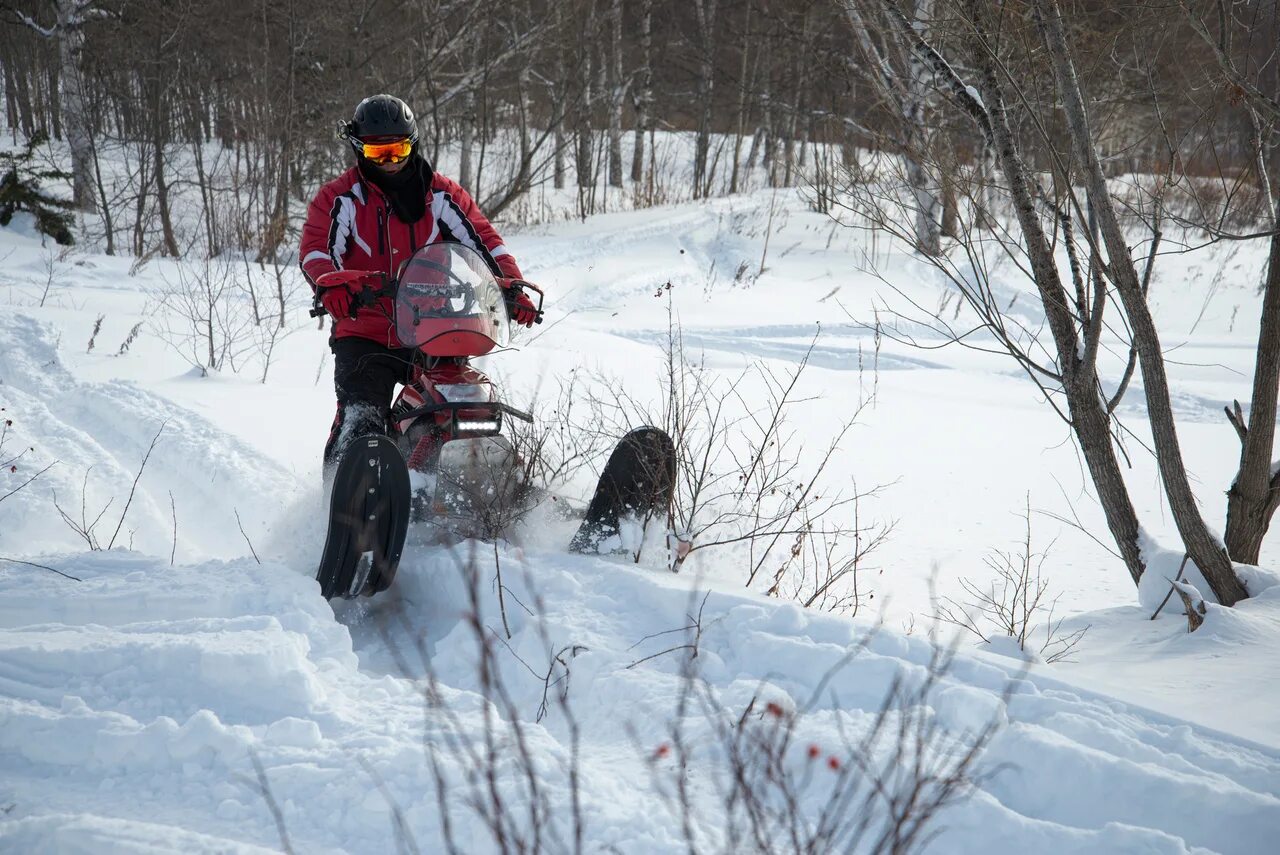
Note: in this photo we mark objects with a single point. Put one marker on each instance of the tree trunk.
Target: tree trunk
(752, 153)
(29, 123)
(158, 136)
(206, 200)
(11, 100)
(793, 117)
(1209, 555)
(107, 219)
(744, 87)
(582, 162)
(484, 138)
(706, 13)
(558, 165)
(71, 47)
(140, 198)
(162, 200)
(615, 94)
(526, 117)
(1255, 493)
(644, 97)
(1090, 421)
(1259, 153)
(769, 136)
(560, 113)
(467, 139)
(55, 102)
(917, 136)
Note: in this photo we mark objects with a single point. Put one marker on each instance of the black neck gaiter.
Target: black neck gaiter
(406, 189)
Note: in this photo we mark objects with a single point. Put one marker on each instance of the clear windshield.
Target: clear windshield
(449, 304)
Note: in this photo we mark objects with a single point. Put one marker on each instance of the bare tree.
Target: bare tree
(68, 30)
(745, 483)
(201, 315)
(9, 468)
(1255, 491)
(705, 10)
(881, 790)
(901, 77)
(617, 92)
(746, 75)
(643, 91)
(1014, 603)
(1206, 551)
(1073, 305)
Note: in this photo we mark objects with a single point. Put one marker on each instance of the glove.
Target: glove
(336, 300)
(337, 289)
(522, 309)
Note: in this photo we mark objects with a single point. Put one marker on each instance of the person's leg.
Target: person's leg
(365, 375)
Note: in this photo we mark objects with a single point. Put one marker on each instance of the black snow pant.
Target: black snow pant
(365, 375)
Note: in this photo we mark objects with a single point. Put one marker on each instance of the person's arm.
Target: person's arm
(316, 250)
(455, 209)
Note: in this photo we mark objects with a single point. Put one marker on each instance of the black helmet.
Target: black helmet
(380, 116)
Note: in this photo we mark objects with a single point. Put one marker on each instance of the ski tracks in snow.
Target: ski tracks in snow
(99, 434)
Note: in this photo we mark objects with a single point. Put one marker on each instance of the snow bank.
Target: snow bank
(140, 692)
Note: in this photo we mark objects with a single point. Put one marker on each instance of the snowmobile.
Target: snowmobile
(443, 459)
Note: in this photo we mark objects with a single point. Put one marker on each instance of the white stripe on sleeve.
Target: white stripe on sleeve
(452, 218)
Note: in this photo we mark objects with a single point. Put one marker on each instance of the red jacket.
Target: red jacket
(352, 226)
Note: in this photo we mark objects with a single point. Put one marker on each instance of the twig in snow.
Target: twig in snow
(93, 336)
(136, 478)
(28, 481)
(42, 567)
(128, 340)
(246, 537)
(173, 508)
(265, 787)
(1195, 611)
(1172, 586)
(695, 624)
(502, 603)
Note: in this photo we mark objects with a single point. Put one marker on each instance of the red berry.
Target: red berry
(774, 709)
(814, 751)
(662, 751)
(833, 763)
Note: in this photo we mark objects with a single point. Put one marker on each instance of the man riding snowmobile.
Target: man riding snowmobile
(363, 225)
(409, 311)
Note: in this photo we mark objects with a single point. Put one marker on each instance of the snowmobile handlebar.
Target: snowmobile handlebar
(368, 295)
(515, 287)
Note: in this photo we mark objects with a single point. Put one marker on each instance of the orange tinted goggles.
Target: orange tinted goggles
(387, 152)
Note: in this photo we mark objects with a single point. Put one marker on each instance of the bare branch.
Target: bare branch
(253, 551)
(42, 567)
(136, 478)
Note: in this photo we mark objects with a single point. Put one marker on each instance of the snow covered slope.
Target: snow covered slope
(143, 692)
(180, 696)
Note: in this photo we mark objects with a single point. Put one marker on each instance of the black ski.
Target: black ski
(369, 509)
(638, 480)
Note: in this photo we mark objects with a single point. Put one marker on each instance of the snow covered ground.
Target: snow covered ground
(178, 695)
